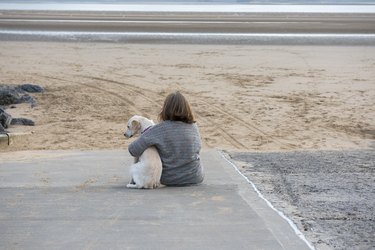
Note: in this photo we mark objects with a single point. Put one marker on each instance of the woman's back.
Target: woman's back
(177, 140)
(179, 151)
(178, 144)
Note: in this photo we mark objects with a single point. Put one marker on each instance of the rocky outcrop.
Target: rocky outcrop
(31, 88)
(22, 121)
(15, 94)
(5, 120)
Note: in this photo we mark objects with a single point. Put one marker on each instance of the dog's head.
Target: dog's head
(133, 126)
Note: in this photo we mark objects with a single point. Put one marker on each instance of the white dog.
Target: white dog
(146, 170)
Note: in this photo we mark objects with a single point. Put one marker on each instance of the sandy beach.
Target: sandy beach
(247, 98)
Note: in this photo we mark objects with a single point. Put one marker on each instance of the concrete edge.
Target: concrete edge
(278, 234)
(8, 140)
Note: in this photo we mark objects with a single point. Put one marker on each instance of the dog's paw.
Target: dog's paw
(158, 185)
(130, 185)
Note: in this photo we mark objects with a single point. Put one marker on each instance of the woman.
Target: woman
(177, 140)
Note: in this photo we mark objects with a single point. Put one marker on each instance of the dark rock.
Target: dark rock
(18, 94)
(5, 118)
(8, 95)
(27, 99)
(2, 129)
(22, 121)
(31, 88)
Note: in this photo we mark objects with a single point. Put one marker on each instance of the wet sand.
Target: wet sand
(95, 21)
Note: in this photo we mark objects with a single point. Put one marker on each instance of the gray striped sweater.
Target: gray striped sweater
(178, 144)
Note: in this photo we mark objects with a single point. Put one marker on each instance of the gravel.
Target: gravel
(330, 195)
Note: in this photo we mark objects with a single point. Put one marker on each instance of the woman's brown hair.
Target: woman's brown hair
(176, 108)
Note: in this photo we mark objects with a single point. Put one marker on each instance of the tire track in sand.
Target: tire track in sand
(252, 127)
(123, 98)
(129, 87)
(206, 120)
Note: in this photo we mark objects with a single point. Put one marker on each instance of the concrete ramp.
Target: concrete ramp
(78, 200)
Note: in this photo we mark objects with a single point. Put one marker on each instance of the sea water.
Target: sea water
(193, 6)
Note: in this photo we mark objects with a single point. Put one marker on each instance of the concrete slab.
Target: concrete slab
(78, 200)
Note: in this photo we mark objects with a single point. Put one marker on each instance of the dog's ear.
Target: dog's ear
(136, 125)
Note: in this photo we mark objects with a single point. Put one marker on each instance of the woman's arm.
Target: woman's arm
(151, 137)
(137, 147)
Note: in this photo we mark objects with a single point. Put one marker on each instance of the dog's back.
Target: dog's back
(147, 172)
(152, 167)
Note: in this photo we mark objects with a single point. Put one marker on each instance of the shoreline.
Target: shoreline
(185, 22)
(189, 28)
(173, 38)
